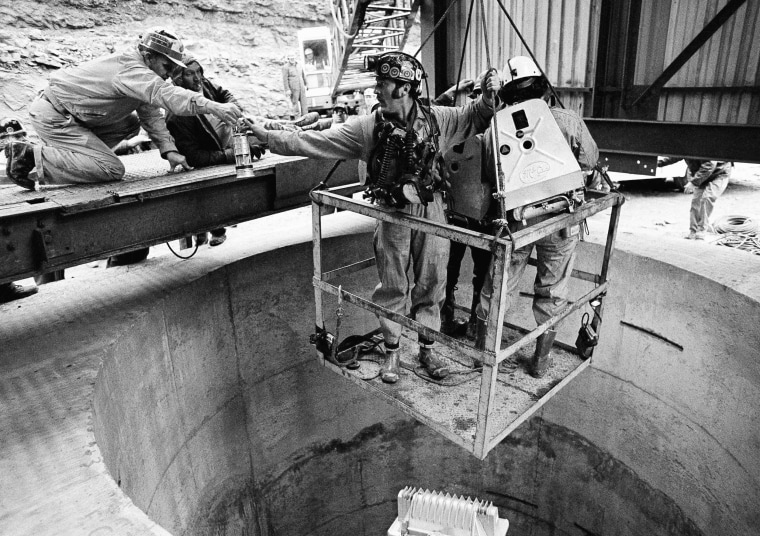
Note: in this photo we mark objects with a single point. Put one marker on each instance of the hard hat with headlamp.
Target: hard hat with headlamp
(396, 66)
(165, 43)
(10, 126)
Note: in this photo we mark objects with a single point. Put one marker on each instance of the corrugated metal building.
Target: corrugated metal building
(652, 76)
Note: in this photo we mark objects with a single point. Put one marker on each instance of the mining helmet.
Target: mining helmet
(341, 102)
(396, 66)
(10, 127)
(520, 71)
(163, 42)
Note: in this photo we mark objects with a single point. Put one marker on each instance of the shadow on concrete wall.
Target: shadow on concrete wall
(214, 417)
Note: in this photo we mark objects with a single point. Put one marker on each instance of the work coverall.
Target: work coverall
(397, 247)
(203, 139)
(710, 179)
(87, 110)
(555, 253)
(294, 80)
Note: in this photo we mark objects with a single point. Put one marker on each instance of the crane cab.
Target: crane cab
(315, 54)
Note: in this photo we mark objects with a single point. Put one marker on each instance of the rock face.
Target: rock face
(241, 43)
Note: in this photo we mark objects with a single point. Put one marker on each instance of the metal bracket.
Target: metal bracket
(51, 244)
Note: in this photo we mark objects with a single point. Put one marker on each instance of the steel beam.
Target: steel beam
(41, 237)
(726, 142)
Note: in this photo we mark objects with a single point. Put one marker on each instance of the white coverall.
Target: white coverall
(396, 246)
(555, 253)
(87, 110)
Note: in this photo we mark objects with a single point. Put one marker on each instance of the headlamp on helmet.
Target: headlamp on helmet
(10, 127)
(396, 66)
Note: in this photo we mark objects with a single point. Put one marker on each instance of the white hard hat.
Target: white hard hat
(518, 69)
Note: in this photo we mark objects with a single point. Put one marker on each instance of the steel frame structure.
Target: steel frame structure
(486, 435)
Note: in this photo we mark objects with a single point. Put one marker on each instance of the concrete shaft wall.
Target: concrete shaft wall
(214, 417)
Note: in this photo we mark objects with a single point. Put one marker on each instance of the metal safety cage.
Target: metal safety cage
(497, 411)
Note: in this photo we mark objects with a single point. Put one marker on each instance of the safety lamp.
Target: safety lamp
(243, 165)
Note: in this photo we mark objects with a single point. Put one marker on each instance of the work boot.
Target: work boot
(130, 257)
(20, 156)
(695, 235)
(389, 372)
(541, 360)
(217, 240)
(435, 367)
(14, 291)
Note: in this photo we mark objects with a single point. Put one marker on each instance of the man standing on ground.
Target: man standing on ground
(294, 81)
(706, 181)
(85, 111)
(374, 139)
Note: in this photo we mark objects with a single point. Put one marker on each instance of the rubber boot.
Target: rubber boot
(542, 356)
(480, 334)
(481, 327)
(389, 373)
(472, 323)
(434, 366)
(450, 325)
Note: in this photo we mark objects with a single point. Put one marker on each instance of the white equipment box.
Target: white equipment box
(535, 157)
(430, 513)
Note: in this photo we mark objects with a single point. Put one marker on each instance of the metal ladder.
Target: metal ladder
(367, 27)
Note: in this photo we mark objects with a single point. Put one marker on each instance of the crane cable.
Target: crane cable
(437, 24)
(500, 180)
(525, 44)
(464, 47)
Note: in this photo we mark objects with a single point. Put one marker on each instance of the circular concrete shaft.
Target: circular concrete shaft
(214, 414)
(184, 397)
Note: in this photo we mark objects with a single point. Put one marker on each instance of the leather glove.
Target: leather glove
(257, 151)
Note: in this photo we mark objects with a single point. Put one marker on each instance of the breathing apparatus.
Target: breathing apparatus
(403, 168)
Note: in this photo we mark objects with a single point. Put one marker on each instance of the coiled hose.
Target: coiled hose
(736, 224)
(390, 153)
